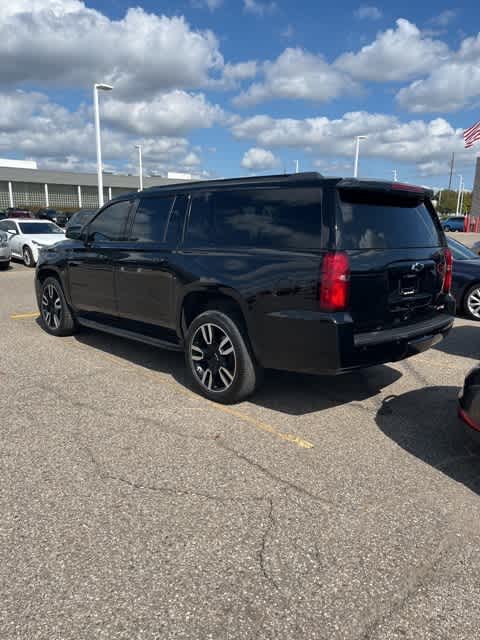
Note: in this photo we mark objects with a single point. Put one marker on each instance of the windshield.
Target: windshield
(460, 251)
(39, 228)
(370, 220)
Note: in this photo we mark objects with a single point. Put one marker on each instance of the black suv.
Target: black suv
(295, 272)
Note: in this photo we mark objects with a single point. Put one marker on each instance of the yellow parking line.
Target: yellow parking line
(23, 316)
(258, 424)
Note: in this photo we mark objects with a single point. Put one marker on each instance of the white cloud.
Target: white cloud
(395, 55)
(169, 114)
(416, 141)
(297, 74)
(58, 138)
(256, 159)
(212, 5)
(444, 18)
(369, 12)
(288, 32)
(259, 8)
(65, 42)
(450, 86)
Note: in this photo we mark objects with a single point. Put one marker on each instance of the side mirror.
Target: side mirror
(74, 232)
(12, 232)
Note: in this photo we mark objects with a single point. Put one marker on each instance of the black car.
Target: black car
(59, 217)
(294, 272)
(466, 279)
(80, 218)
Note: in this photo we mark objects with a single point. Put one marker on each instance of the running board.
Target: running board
(130, 335)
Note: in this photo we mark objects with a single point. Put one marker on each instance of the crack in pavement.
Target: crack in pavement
(274, 477)
(263, 547)
(418, 579)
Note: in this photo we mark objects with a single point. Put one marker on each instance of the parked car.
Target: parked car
(295, 272)
(80, 218)
(466, 279)
(59, 217)
(454, 223)
(476, 248)
(5, 251)
(469, 403)
(27, 237)
(12, 212)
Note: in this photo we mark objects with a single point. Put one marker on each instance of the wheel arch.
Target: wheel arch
(197, 300)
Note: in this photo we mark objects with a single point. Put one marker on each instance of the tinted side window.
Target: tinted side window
(271, 218)
(151, 219)
(109, 225)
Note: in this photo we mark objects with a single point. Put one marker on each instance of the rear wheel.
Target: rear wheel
(447, 228)
(57, 317)
(218, 358)
(5, 264)
(28, 257)
(472, 302)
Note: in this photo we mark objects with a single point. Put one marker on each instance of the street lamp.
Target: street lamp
(140, 170)
(357, 151)
(96, 89)
(460, 190)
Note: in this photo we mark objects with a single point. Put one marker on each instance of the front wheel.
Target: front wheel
(218, 358)
(28, 258)
(57, 318)
(472, 302)
(5, 265)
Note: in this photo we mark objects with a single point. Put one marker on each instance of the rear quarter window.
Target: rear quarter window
(269, 218)
(383, 221)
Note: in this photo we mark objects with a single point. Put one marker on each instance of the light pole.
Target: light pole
(460, 189)
(357, 152)
(96, 88)
(140, 169)
(395, 175)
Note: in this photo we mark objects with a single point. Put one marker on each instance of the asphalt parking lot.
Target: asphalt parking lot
(341, 508)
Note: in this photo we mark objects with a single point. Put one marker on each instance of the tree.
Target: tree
(448, 201)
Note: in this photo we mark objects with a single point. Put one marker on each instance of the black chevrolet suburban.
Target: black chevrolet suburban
(296, 272)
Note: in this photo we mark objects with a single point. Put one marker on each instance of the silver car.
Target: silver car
(5, 253)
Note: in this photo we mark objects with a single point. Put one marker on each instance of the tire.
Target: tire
(447, 228)
(28, 259)
(57, 317)
(218, 357)
(5, 265)
(471, 302)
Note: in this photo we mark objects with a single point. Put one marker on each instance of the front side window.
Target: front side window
(109, 225)
(271, 218)
(151, 219)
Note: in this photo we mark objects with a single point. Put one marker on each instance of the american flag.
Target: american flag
(471, 135)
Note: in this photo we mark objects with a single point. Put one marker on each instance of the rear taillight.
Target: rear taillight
(447, 273)
(335, 280)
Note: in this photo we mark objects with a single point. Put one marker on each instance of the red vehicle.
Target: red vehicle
(18, 213)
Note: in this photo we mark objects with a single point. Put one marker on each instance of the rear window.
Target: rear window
(270, 218)
(384, 221)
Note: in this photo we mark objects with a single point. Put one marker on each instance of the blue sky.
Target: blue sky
(230, 87)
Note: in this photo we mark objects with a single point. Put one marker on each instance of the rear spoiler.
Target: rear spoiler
(385, 187)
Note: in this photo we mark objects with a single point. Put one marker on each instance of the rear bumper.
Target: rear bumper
(315, 342)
